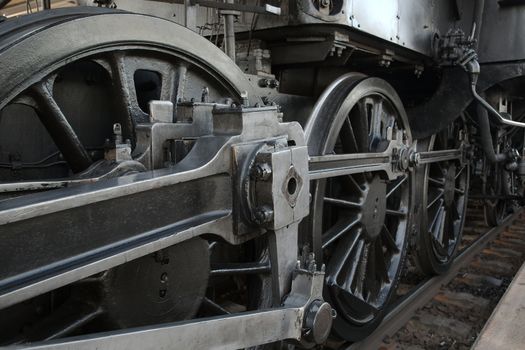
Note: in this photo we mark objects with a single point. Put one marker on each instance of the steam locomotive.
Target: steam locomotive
(245, 174)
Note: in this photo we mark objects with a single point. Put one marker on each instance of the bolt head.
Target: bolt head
(415, 159)
(263, 216)
(325, 3)
(262, 172)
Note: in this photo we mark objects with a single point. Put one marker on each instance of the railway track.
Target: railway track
(449, 311)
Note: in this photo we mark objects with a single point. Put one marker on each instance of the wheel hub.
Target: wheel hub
(157, 288)
(374, 209)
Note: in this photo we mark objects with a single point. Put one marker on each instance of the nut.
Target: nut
(263, 216)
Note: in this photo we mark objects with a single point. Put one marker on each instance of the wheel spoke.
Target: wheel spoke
(179, 86)
(67, 318)
(448, 234)
(371, 275)
(437, 226)
(343, 203)
(126, 92)
(400, 213)
(436, 182)
(388, 239)
(239, 269)
(361, 271)
(338, 230)
(397, 185)
(358, 304)
(348, 138)
(459, 190)
(432, 202)
(59, 128)
(359, 119)
(344, 251)
(381, 264)
(376, 115)
(458, 174)
(352, 185)
(214, 307)
(354, 263)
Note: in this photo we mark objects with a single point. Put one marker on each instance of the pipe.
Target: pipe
(486, 136)
(229, 34)
(473, 68)
(499, 118)
(186, 12)
(477, 21)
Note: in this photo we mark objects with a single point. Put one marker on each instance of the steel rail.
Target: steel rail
(401, 311)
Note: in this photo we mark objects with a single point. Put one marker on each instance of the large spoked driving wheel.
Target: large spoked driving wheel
(68, 77)
(359, 222)
(444, 190)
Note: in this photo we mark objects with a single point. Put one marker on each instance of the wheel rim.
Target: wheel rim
(445, 193)
(359, 221)
(49, 48)
(119, 59)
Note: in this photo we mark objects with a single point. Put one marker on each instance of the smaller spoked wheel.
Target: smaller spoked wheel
(499, 185)
(444, 189)
(359, 222)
